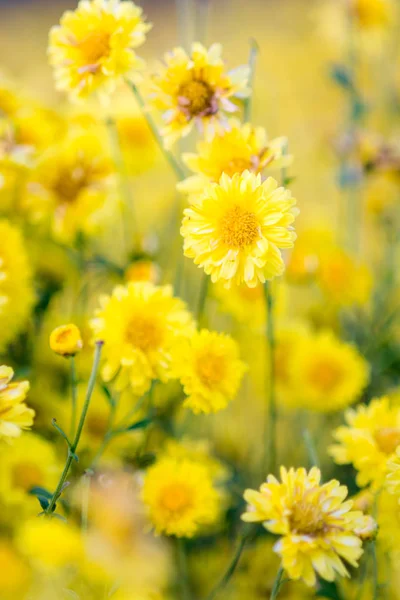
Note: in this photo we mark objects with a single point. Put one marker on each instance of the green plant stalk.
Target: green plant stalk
(173, 162)
(202, 299)
(182, 569)
(248, 103)
(74, 390)
(277, 585)
(221, 585)
(269, 459)
(72, 449)
(311, 449)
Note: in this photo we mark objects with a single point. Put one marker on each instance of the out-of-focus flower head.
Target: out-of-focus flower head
(143, 270)
(393, 473)
(318, 528)
(371, 13)
(93, 48)
(15, 573)
(241, 147)
(336, 270)
(14, 413)
(140, 325)
(15, 157)
(180, 496)
(196, 89)
(305, 258)
(137, 142)
(66, 340)
(236, 229)
(369, 440)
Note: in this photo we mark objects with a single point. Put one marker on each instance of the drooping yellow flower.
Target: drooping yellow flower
(196, 89)
(236, 229)
(16, 291)
(210, 370)
(369, 440)
(336, 270)
(180, 497)
(66, 340)
(14, 413)
(326, 374)
(93, 48)
(241, 147)
(318, 528)
(140, 325)
(70, 185)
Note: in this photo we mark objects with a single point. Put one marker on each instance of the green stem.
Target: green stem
(375, 583)
(74, 383)
(178, 170)
(202, 299)
(71, 451)
(248, 103)
(230, 570)
(311, 449)
(182, 569)
(277, 585)
(85, 500)
(269, 463)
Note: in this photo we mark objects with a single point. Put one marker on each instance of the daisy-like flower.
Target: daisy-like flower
(230, 151)
(140, 325)
(180, 496)
(14, 413)
(236, 228)
(93, 48)
(325, 373)
(196, 89)
(16, 291)
(210, 371)
(318, 528)
(369, 441)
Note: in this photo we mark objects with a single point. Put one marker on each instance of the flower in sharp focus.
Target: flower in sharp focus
(66, 340)
(180, 496)
(14, 413)
(236, 229)
(369, 441)
(241, 147)
(196, 89)
(93, 48)
(140, 325)
(210, 371)
(318, 527)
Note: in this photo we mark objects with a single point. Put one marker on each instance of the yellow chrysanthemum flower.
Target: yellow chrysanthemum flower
(335, 271)
(369, 440)
(70, 186)
(372, 13)
(210, 370)
(236, 229)
(16, 291)
(196, 89)
(66, 340)
(318, 528)
(326, 374)
(241, 147)
(140, 325)
(180, 496)
(93, 47)
(14, 413)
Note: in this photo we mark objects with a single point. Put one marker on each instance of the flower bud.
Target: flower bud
(66, 340)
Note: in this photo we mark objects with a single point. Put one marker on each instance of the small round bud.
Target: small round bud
(367, 528)
(66, 340)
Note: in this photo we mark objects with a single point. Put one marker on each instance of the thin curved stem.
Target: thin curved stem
(269, 461)
(202, 299)
(74, 384)
(230, 570)
(277, 584)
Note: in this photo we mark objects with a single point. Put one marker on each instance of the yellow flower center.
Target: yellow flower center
(196, 97)
(144, 332)
(236, 165)
(94, 47)
(326, 375)
(176, 497)
(239, 228)
(306, 518)
(70, 182)
(387, 438)
(26, 475)
(211, 368)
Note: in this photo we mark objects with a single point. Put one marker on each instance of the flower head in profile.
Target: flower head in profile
(93, 47)
(369, 441)
(241, 147)
(66, 340)
(14, 413)
(140, 324)
(237, 227)
(196, 89)
(180, 496)
(319, 530)
(210, 371)
(325, 373)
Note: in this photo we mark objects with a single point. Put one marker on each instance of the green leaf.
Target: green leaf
(108, 395)
(139, 424)
(40, 491)
(341, 75)
(329, 590)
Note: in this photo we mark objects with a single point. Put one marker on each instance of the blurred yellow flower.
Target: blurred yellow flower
(15, 573)
(16, 158)
(336, 270)
(196, 89)
(305, 258)
(14, 413)
(236, 229)
(393, 473)
(16, 292)
(180, 496)
(369, 440)
(140, 324)
(326, 374)
(239, 148)
(143, 270)
(210, 370)
(317, 526)
(66, 340)
(93, 47)
(372, 13)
